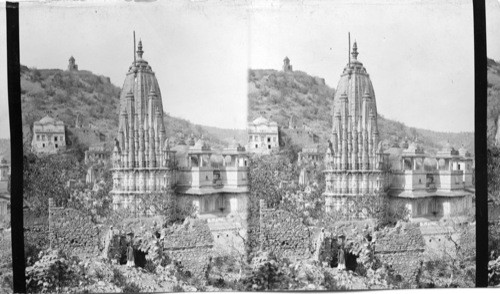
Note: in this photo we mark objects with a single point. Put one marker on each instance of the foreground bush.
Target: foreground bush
(53, 272)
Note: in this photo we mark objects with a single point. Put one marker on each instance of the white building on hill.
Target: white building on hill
(48, 136)
(263, 136)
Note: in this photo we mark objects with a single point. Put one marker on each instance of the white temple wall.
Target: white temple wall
(234, 203)
(195, 177)
(234, 177)
(450, 180)
(434, 206)
(417, 181)
(467, 178)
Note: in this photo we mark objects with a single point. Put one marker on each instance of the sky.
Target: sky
(419, 54)
(198, 51)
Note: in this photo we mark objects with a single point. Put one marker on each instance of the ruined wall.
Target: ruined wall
(36, 229)
(191, 244)
(402, 249)
(193, 260)
(405, 264)
(72, 231)
(115, 247)
(284, 234)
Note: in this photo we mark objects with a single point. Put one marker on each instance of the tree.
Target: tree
(54, 272)
(47, 177)
(270, 178)
(494, 272)
(454, 264)
(493, 165)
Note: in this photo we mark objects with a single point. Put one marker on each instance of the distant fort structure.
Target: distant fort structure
(287, 67)
(72, 66)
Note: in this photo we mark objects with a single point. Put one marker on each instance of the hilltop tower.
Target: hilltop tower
(141, 156)
(72, 66)
(355, 163)
(287, 67)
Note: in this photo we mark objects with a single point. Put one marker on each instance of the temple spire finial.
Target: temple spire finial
(139, 49)
(354, 52)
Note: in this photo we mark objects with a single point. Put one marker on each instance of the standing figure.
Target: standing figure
(130, 252)
(341, 257)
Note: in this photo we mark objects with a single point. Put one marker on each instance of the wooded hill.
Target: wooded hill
(65, 95)
(278, 96)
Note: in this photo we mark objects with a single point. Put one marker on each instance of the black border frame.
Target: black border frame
(16, 146)
(15, 118)
(480, 112)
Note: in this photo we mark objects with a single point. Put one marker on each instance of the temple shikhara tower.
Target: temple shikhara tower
(146, 162)
(359, 173)
(356, 164)
(141, 157)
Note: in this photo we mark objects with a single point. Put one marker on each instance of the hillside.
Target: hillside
(493, 101)
(279, 96)
(5, 149)
(95, 100)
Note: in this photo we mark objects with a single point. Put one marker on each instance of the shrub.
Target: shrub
(59, 99)
(131, 288)
(267, 276)
(31, 253)
(118, 279)
(53, 271)
(494, 272)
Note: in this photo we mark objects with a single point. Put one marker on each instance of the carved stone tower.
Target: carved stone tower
(142, 156)
(355, 163)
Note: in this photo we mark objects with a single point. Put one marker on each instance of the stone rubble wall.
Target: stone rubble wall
(190, 234)
(405, 264)
(73, 231)
(284, 234)
(194, 260)
(36, 230)
(402, 248)
(191, 244)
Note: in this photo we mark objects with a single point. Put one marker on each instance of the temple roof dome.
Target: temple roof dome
(234, 147)
(447, 151)
(141, 81)
(464, 152)
(355, 83)
(200, 145)
(260, 120)
(414, 149)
